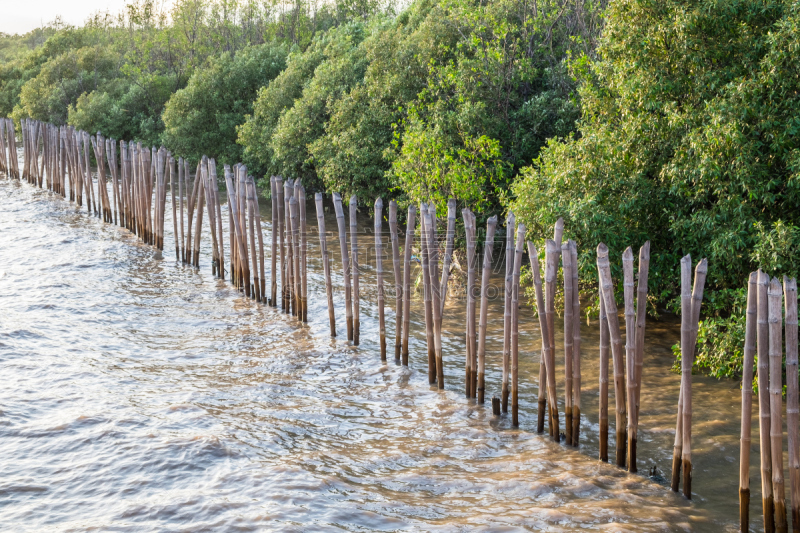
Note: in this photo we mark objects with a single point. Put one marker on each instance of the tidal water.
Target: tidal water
(140, 394)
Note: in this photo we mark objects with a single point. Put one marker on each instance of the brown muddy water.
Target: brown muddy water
(140, 394)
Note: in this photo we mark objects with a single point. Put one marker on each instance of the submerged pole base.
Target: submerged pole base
(495, 406)
(744, 510)
(676, 470)
(687, 479)
(768, 506)
(540, 413)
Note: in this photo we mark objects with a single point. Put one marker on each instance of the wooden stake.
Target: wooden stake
(762, 343)
(641, 313)
(250, 194)
(576, 345)
(792, 422)
(510, 223)
(279, 190)
(448, 251)
(212, 171)
(379, 270)
(471, 369)
(433, 267)
(518, 251)
(775, 301)
(274, 231)
(288, 190)
(301, 203)
(552, 253)
(398, 282)
(548, 354)
(425, 221)
(747, 403)
(607, 288)
(354, 269)
(174, 207)
(566, 258)
(337, 204)
(491, 224)
(326, 266)
(295, 221)
(630, 353)
(604, 347)
(697, 298)
(410, 221)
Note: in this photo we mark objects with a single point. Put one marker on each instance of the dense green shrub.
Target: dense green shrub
(201, 119)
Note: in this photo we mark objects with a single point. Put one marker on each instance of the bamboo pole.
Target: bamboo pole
(677, 450)
(212, 172)
(260, 234)
(398, 282)
(354, 269)
(235, 220)
(251, 221)
(199, 226)
(433, 266)
(470, 322)
(301, 204)
(630, 353)
(552, 253)
(792, 421)
(603, 386)
(298, 259)
(288, 190)
(274, 231)
(518, 251)
(696, 301)
(548, 354)
(295, 221)
(491, 224)
(775, 301)
(472, 276)
(747, 403)
(379, 270)
(566, 258)
(641, 312)
(448, 251)
(190, 196)
(576, 345)
(607, 288)
(174, 207)
(410, 222)
(323, 246)
(762, 343)
(510, 224)
(279, 201)
(337, 205)
(180, 208)
(204, 173)
(425, 221)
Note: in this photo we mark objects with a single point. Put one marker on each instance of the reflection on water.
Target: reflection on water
(144, 395)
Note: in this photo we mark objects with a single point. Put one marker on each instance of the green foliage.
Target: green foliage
(673, 143)
(494, 94)
(688, 138)
(201, 119)
(256, 133)
(342, 66)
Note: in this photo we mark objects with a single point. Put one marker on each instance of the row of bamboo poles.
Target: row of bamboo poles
(771, 317)
(59, 157)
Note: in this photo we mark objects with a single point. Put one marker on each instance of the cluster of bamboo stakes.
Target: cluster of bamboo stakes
(768, 330)
(59, 158)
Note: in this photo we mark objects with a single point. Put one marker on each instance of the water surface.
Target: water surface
(140, 394)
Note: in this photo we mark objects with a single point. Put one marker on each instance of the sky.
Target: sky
(21, 16)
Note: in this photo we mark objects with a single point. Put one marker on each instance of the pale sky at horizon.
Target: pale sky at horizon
(21, 16)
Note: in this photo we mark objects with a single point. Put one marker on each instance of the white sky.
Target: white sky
(21, 16)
